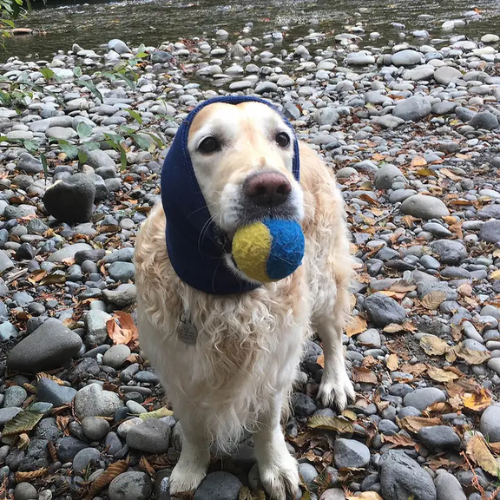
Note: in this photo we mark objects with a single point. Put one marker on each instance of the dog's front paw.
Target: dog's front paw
(280, 478)
(337, 390)
(186, 477)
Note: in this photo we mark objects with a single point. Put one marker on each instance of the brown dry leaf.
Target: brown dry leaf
(398, 440)
(366, 495)
(415, 370)
(408, 220)
(29, 476)
(363, 375)
(434, 346)
(377, 157)
(413, 424)
(356, 325)
(146, 466)
(448, 173)
(41, 375)
(478, 452)
(392, 362)
(403, 286)
(126, 332)
(418, 161)
(320, 360)
(104, 479)
(24, 441)
(433, 300)
(479, 400)
(495, 447)
(473, 357)
(440, 375)
(439, 408)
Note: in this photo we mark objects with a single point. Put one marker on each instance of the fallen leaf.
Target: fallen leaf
(495, 275)
(104, 479)
(440, 407)
(414, 424)
(24, 441)
(473, 357)
(320, 360)
(22, 422)
(418, 161)
(433, 300)
(21, 477)
(398, 440)
(364, 375)
(433, 346)
(426, 172)
(448, 173)
(440, 375)
(392, 362)
(479, 400)
(366, 495)
(478, 452)
(495, 447)
(162, 412)
(403, 286)
(330, 424)
(356, 325)
(247, 494)
(415, 370)
(124, 333)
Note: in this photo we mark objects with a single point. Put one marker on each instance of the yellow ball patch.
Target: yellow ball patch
(251, 249)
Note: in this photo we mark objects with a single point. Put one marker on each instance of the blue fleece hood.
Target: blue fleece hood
(194, 246)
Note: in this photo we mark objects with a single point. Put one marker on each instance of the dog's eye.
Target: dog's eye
(209, 145)
(282, 140)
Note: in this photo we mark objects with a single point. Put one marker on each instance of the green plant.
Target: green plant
(10, 10)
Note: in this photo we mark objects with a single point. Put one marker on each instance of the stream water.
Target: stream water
(151, 22)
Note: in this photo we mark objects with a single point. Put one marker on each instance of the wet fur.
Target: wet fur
(240, 371)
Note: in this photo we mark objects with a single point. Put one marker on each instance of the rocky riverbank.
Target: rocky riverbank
(412, 132)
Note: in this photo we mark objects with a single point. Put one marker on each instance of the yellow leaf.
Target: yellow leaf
(495, 275)
(321, 361)
(366, 495)
(356, 325)
(433, 300)
(473, 357)
(450, 174)
(364, 375)
(426, 172)
(478, 401)
(392, 362)
(478, 451)
(414, 424)
(440, 375)
(433, 346)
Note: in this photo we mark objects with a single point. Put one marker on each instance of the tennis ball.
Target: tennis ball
(269, 250)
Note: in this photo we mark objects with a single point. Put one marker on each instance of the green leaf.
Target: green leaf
(92, 146)
(91, 86)
(70, 150)
(31, 145)
(47, 73)
(156, 140)
(77, 71)
(45, 166)
(135, 115)
(22, 422)
(123, 159)
(330, 424)
(84, 130)
(142, 55)
(82, 157)
(141, 141)
(128, 81)
(160, 413)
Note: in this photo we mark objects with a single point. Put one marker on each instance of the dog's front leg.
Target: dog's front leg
(194, 460)
(277, 468)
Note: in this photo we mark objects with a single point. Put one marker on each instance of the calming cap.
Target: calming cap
(193, 248)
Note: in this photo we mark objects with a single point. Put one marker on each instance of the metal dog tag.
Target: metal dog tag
(187, 331)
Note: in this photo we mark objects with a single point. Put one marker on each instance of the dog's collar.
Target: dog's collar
(194, 243)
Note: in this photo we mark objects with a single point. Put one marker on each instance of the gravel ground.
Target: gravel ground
(412, 133)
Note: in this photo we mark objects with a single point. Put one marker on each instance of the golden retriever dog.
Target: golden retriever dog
(227, 349)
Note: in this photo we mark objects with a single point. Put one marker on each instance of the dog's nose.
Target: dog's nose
(267, 188)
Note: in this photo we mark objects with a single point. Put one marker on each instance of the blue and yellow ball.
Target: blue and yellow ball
(269, 250)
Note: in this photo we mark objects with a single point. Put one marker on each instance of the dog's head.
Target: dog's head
(242, 156)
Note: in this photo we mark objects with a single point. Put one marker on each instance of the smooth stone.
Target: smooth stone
(132, 485)
(50, 346)
(93, 401)
(95, 428)
(218, 486)
(349, 453)
(412, 109)
(25, 491)
(116, 355)
(387, 175)
(424, 397)
(440, 437)
(152, 436)
(490, 423)
(68, 252)
(406, 58)
(448, 486)
(446, 74)
(84, 458)
(51, 392)
(449, 251)
(383, 310)
(424, 207)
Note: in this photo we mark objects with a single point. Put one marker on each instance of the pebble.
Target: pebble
(116, 355)
(85, 458)
(424, 207)
(51, 392)
(490, 423)
(383, 310)
(448, 487)
(48, 347)
(93, 401)
(218, 486)
(422, 398)
(401, 477)
(152, 436)
(132, 485)
(440, 437)
(25, 491)
(349, 453)
(95, 428)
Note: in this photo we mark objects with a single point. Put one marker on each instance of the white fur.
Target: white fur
(239, 373)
